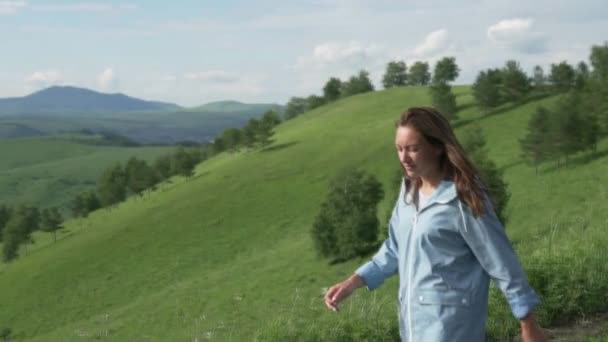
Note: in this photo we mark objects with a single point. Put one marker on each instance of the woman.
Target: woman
(444, 241)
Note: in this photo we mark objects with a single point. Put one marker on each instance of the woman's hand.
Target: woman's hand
(341, 291)
(531, 331)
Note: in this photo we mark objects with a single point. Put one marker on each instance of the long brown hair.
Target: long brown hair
(454, 163)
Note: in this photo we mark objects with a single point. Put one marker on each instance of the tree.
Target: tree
(13, 235)
(112, 185)
(265, 128)
(538, 79)
(599, 61)
(314, 101)
(515, 83)
(24, 220)
(140, 176)
(446, 70)
(419, 74)
(91, 202)
(562, 76)
(5, 214)
(357, 84)
(295, 106)
(51, 221)
(395, 75)
(250, 132)
(443, 99)
(535, 145)
(486, 89)
(347, 225)
(474, 143)
(331, 90)
(231, 139)
(162, 165)
(182, 162)
(581, 75)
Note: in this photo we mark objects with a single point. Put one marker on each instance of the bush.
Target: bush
(347, 225)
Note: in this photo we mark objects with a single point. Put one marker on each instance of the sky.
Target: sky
(262, 51)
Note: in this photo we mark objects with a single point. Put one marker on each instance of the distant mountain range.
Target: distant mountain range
(69, 109)
(66, 99)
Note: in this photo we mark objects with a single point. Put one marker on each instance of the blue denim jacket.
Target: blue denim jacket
(445, 257)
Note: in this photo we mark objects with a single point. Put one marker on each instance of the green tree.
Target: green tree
(331, 90)
(486, 89)
(539, 80)
(162, 166)
(562, 76)
(419, 74)
(315, 101)
(231, 139)
(599, 61)
(581, 75)
(295, 106)
(182, 162)
(395, 75)
(443, 99)
(140, 176)
(112, 185)
(535, 146)
(357, 84)
(446, 70)
(24, 220)
(5, 214)
(515, 84)
(347, 224)
(13, 235)
(474, 143)
(51, 220)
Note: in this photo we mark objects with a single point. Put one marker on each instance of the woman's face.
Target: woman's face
(418, 157)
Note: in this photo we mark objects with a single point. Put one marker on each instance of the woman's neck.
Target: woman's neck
(431, 182)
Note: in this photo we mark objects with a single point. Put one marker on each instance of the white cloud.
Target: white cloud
(434, 43)
(347, 54)
(45, 78)
(212, 76)
(107, 79)
(517, 34)
(11, 7)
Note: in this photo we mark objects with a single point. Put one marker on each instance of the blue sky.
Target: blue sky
(193, 52)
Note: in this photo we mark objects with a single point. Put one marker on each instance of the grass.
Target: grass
(50, 171)
(227, 255)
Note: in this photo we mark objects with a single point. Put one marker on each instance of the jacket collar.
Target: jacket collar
(444, 193)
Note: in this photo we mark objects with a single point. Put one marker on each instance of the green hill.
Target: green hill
(50, 171)
(227, 254)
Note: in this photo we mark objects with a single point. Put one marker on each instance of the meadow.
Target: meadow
(226, 255)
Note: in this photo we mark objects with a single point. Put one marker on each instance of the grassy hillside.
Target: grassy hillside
(227, 254)
(50, 171)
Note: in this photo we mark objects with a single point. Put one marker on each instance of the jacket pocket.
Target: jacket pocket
(443, 297)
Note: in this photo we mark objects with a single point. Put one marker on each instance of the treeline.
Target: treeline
(580, 116)
(256, 133)
(119, 181)
(17, 225)
(116, 183)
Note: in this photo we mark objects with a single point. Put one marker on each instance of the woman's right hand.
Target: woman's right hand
(341, 291)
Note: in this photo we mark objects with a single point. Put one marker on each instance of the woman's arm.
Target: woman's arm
(385, 262)
(489, 243)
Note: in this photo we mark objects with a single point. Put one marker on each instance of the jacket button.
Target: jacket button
(464, 301)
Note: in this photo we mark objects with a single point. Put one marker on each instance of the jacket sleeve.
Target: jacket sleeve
(385, 262)
(486, 237)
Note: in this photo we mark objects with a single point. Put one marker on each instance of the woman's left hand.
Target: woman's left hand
(531, 331)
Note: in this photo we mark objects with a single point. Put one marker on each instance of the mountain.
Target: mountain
(233, 107)
(67, 99)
